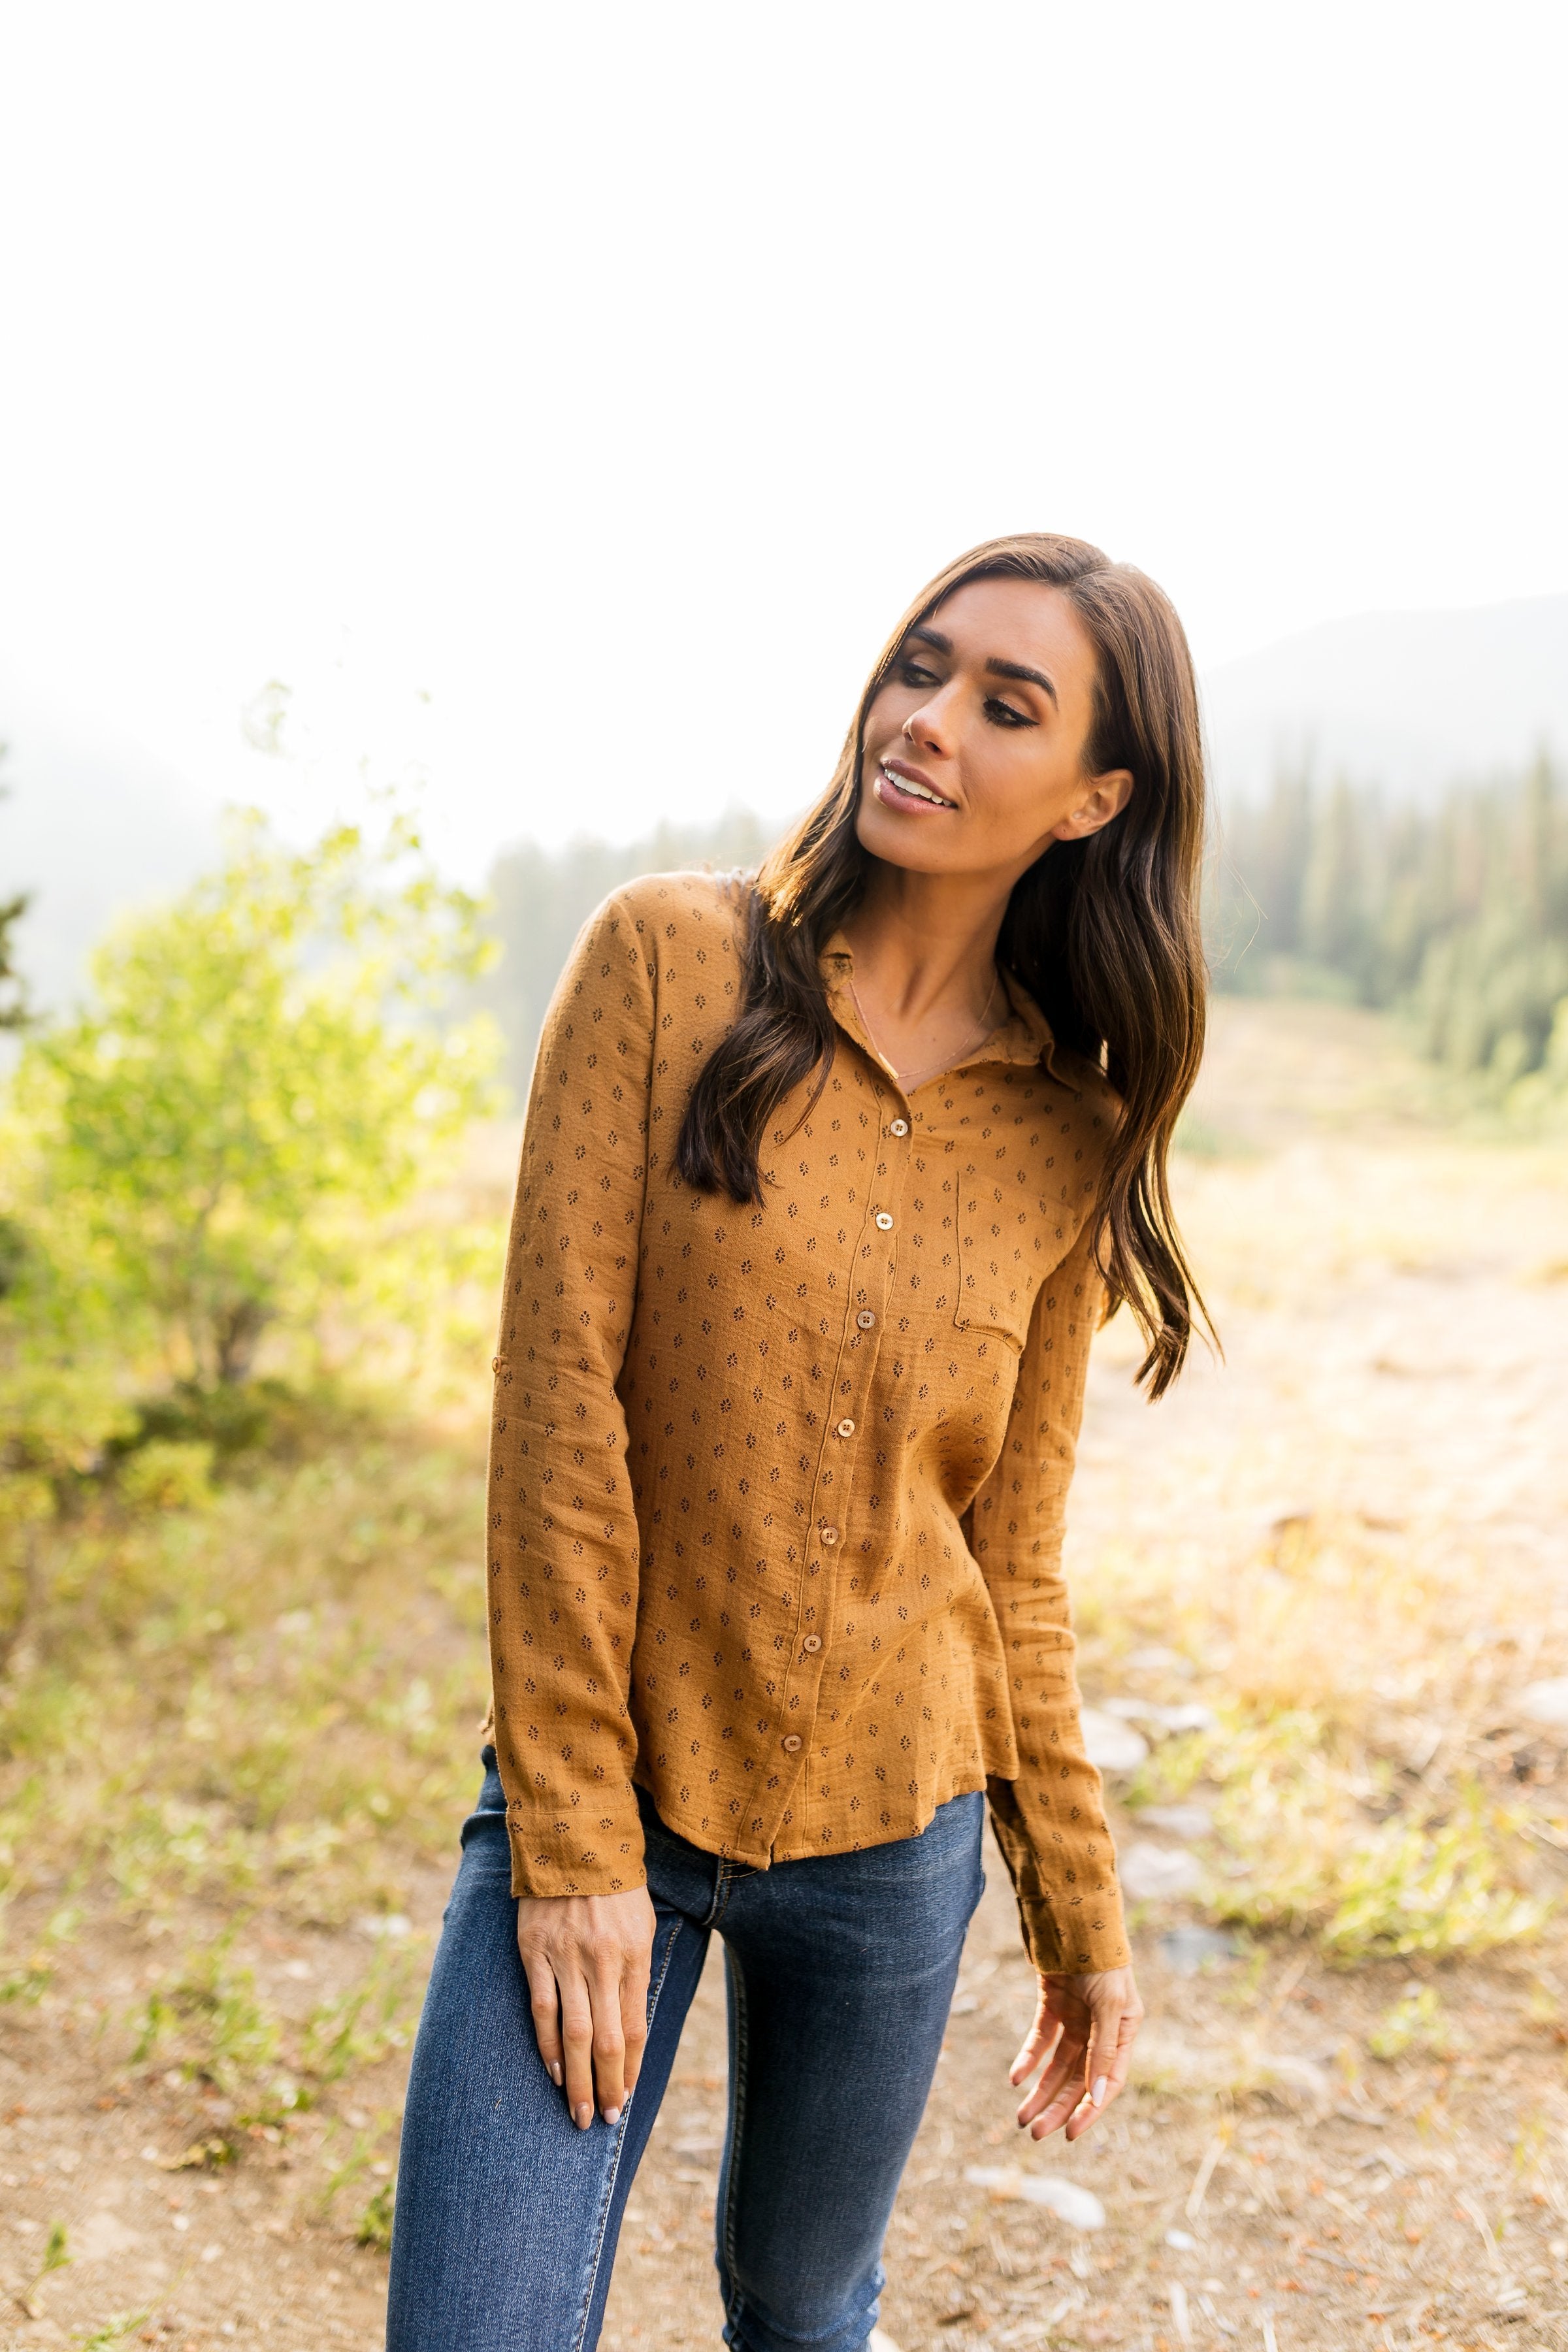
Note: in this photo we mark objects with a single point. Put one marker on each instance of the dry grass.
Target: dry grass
(1347, 1537)
(264, 1698)
(1368, 1785)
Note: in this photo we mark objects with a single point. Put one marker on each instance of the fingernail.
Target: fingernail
(612, 2115)
(1097, 2093)
(555, 2073)
(584, 2117)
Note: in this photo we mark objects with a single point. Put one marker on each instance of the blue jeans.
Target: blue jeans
(840, 1970)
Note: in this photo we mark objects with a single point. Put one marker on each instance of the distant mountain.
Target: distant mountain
(1408, 700)
(88, 827)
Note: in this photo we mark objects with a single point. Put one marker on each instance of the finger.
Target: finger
(1062, 2080)
(544, 2001)
(1103, 2051)
(609, 2042)
(634, 2015)
(1062, 2086)
(577, 2037)
(1067, 2066)
(1064, 2103)
(1104, 2042)
(1115, 2075)
(1042, 2039)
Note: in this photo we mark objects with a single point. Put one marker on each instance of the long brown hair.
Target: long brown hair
(1103, 932)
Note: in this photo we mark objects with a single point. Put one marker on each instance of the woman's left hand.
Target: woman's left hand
(1083, 2034)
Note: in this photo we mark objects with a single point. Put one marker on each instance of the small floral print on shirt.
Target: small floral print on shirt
(777, 1493)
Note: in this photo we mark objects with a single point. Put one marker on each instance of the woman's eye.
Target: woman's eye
(911, 674)
(1001, 714)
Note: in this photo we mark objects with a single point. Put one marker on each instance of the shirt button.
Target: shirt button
(791, 1744)
(884, 1221)
(898, 1127)
(812, 1642)
(846, 1429)
(864, 1319)
(829, 1535)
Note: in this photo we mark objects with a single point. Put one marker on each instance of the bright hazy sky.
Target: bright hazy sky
(610, 375)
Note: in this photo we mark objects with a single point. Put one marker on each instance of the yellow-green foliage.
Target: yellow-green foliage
(1414, 2022)
(209, 2010)
(1327, 1680)
(1290, 1822)
(242, 1146)
(114, 2331)
(241, 1657)
(262, 1702)
(169, 1474)
(205, 2017)
(272, 1697)
(63, 1357)
(375, 2221)
(260, 1089)
(362, 2025)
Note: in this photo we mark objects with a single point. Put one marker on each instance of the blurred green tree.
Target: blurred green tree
(262, 1082)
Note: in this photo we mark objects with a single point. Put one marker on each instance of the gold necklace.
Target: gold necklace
(909, 1080)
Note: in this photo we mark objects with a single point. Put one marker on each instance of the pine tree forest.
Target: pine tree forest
(1454, 915)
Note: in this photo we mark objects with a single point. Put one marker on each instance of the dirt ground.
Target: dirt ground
(1391, 1300)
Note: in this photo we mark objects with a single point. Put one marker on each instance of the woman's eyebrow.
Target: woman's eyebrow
(996, 666)
(1020, 669)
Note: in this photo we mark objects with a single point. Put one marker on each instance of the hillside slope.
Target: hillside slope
(1408, 700)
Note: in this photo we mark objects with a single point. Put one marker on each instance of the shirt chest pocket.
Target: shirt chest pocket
(996, 1257)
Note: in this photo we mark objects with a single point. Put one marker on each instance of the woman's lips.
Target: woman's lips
(899, 791)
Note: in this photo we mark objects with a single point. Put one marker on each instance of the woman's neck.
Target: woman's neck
(926, 943)
(924, 949)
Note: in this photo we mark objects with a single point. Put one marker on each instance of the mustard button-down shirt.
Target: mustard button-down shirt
(777, 1493)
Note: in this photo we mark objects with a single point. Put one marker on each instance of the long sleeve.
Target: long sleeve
(1051, 1822)
(563, 1545)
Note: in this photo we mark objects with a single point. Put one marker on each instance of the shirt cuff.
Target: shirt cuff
(1075, 1940)
(552, 1858)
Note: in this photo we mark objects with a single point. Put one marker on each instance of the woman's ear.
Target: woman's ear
(1107, 796)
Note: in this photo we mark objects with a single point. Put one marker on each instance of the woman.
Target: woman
(827, 1178)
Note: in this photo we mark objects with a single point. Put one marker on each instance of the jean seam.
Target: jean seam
(724, 1880)
(614, 2171)
(729, 1874)
(737, 2125)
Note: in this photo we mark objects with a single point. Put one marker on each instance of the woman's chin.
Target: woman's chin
(899, 840)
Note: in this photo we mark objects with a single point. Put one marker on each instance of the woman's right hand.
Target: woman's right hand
(587, 1957)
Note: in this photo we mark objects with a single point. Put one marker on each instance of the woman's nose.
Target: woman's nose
(931, 724)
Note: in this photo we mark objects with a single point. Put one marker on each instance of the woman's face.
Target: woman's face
(974, 758)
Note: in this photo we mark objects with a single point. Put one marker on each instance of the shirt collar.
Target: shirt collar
(1024, 1036)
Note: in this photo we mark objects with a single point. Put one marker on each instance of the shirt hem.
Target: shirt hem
(791, 1847)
